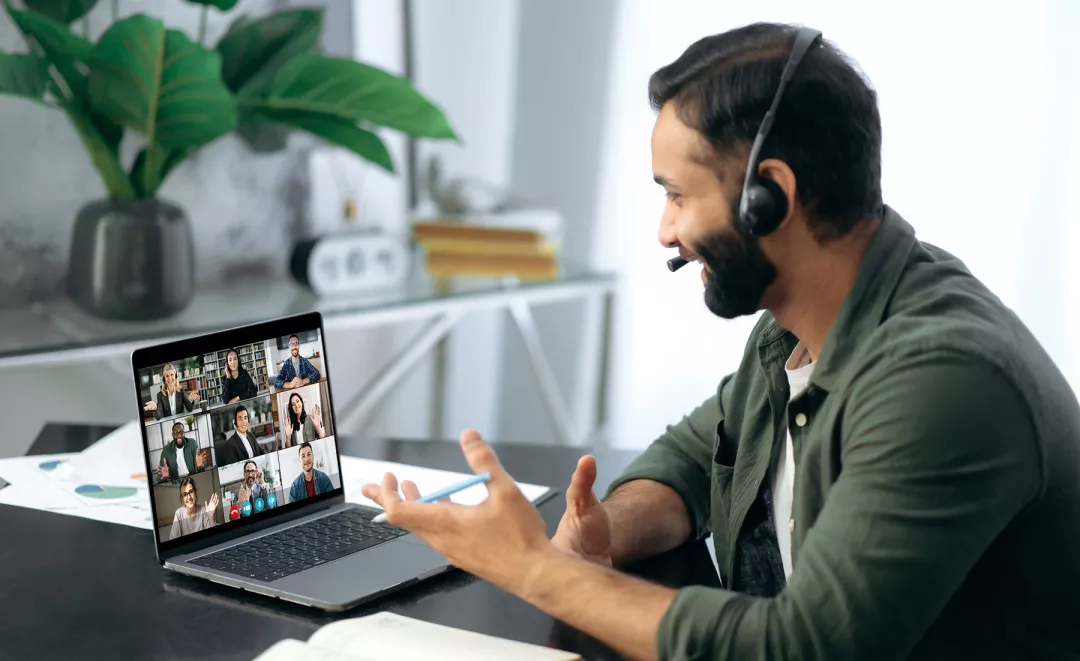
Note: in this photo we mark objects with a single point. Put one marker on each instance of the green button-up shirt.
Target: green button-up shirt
(936, 509)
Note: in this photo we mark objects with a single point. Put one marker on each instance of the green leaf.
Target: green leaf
(61, 46)
(64, 11)
(24, 75)
(354, 91)
(335, 130)
(160, 83)
(223, 5)
(252, 52)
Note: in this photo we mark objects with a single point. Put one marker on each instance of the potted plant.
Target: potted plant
(131, 254)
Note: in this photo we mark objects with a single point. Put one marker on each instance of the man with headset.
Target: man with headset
(893, 471)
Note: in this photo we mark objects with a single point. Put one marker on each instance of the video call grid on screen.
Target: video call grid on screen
(234, 432)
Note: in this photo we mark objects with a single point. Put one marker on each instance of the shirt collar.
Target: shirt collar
(864, 306)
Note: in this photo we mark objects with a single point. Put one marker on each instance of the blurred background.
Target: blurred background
(548, 102)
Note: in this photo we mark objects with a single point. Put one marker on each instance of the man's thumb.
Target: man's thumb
(580, 494)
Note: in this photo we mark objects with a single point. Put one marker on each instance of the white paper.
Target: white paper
(357, 472)
(390, 637)
(54, 491)
(115, 460)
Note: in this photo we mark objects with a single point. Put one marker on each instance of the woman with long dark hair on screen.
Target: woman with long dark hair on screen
(299, 426)
(236, 383)
(171, 399)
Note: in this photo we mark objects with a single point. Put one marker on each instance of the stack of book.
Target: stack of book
(454, 249)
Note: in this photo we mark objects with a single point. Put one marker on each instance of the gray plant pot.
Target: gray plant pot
(131, 259)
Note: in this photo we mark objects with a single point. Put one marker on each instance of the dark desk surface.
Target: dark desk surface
(75, 588)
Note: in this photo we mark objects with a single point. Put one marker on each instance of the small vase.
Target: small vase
(131, 259)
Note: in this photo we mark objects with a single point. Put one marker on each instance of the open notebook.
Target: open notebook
(391, 637)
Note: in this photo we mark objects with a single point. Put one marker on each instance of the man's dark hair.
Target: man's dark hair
(175, 424)
(302, 446)
(827, 127)
(296, 336)
(236, 412)
(249, 461)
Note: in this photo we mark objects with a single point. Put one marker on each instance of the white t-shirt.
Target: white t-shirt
(247, 444)
(299, 435)
(798, 369)
(181, 463)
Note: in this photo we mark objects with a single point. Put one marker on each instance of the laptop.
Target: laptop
(239, 434)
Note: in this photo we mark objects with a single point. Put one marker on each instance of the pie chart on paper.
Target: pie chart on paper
(105, 493)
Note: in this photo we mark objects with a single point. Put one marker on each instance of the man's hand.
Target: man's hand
(584, 529)
(501, 540)
(295, 383)
(200, 460)
(245, 493)
(163, 471)
(259, 476)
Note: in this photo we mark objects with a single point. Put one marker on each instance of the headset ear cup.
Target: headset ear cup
(766, 207)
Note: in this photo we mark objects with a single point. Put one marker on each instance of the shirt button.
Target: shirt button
(800, 419)
(791, 525)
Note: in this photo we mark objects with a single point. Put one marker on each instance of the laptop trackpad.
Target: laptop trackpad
(361, 574)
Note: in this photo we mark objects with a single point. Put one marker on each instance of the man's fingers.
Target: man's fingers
(411, 491)
(372, 491)
(580, 494)
(481, 459)
(390, 493)
(423, 517)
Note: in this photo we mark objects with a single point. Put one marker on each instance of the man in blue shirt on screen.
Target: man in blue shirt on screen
(310, 482)
(295, 371)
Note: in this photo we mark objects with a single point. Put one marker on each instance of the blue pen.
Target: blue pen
(479, 478)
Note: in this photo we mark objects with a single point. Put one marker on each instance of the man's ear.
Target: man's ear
(783, 176)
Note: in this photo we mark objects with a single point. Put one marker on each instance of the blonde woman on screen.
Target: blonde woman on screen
(171, 399)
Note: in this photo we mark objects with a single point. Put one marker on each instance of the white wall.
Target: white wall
(980, 154)
(466, 56)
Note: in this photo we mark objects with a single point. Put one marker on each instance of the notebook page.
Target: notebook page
(291, 650)
(392, 637)
(357, 472)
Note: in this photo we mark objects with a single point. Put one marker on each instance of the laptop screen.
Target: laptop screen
(239, 431)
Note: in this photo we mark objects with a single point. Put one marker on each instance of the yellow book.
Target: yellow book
(425, 231)
(487, 247)
(452, 265)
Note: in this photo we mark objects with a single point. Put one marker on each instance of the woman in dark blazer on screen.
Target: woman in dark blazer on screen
(236, 382)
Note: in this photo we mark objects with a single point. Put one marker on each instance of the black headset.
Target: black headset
(763, 205)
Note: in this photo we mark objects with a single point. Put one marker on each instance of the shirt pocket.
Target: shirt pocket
(723, 472)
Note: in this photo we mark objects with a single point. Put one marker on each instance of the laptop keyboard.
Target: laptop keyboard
(301, 547)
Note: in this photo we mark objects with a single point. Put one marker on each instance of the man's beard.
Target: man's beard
(738, 272)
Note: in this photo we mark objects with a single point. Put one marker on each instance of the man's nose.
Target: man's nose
(666, 233)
